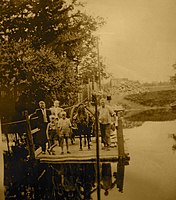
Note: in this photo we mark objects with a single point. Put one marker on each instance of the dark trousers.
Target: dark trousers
(42, 138)
(105, 134)
(52, 137)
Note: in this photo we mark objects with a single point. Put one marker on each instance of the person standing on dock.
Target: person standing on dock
(106, 114)
(56, 110)
(52, 134)
(43, 119)
(64, 126)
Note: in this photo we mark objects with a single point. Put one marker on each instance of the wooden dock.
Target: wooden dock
(77, 156)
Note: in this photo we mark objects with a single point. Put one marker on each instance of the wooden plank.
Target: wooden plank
(35, 130)
(74, 161)
(76, 156)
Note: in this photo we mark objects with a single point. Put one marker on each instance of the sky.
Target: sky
(138, 40)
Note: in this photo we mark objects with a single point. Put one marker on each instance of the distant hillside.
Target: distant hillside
(133, 94)
(124, 87)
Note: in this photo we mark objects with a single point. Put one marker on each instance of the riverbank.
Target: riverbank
(146, 101)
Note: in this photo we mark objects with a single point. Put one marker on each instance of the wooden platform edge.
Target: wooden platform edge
(87, 160)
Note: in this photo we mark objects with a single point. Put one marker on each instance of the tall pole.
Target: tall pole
(97, 149)
(98, 63)
(93, 82)
(88, 90)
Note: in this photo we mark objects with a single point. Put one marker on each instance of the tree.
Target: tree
(30, 76)
(43, 42)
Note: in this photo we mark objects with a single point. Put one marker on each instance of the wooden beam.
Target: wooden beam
(1, 166)
(29, 136)
(120, 138)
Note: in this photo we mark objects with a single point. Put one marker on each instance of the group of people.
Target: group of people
(55, 127)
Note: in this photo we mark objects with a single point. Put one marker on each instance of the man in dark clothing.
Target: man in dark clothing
(43, 119)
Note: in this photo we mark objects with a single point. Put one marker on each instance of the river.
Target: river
(151, 174)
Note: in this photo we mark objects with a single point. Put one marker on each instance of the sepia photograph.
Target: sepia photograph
(87, 100)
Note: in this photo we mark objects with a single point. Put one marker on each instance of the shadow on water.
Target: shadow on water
(154, 115)
(134, 120)
(174, 147)
(58, 181)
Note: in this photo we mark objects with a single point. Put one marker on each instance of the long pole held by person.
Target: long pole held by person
(97, 148)
(98, 63)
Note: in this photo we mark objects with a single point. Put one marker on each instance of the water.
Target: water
(151, 174)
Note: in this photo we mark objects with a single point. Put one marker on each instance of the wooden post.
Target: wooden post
(7, 139)
(120, 138)
(29, 136)
(1, 166)
(97, 148)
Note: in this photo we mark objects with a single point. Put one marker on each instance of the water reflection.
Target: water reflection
(154, 115)
(106, 178)
(133, 119)
(120, 176)
(58, 181)
(174, 145)
(131, 124)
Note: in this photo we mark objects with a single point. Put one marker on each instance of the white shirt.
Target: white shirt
(105, 114)
(56, 111)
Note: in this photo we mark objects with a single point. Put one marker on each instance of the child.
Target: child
(64, 125)
(52, 134)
